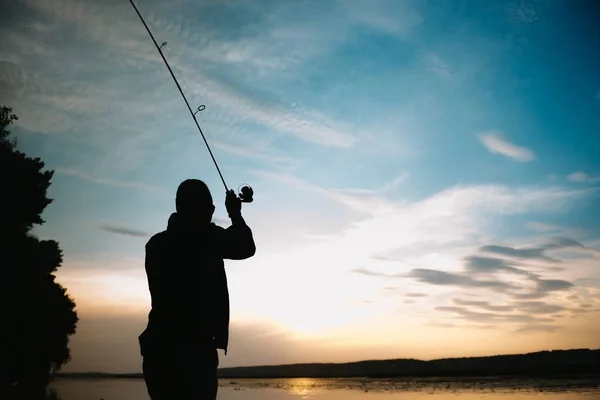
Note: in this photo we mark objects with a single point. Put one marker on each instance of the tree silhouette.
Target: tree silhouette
(37, 316)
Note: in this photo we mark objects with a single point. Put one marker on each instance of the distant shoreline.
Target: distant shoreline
(477, 378)
(579, 363)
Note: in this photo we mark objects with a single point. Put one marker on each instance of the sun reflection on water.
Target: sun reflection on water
(303, 387)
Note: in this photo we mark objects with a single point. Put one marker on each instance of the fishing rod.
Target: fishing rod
(246, 192)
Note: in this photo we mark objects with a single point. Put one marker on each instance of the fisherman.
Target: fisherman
(189, 319)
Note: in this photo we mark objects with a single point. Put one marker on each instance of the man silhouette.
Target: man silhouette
(189, 319)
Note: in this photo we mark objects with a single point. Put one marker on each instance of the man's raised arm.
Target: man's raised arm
(237, 240)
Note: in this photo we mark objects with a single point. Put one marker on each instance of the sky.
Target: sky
(426, 174)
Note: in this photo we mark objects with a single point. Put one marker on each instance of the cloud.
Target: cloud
(522, 12)
(390, 241)
(546, 228)
(482, 264)
(119, 230)
(440, 325)
(122, 109)
(367, 272)
(304, 124)
(111, 182)
(527, 315)
(436, 277)
(452, 216)
(524, 313)
(456, 205)
(534, 253)
(393, 17)
(541, 227)
(361, 200)
(578, 177)
(538, 307)
(427, 240)
(523, 253)
(436, 65)
(490, 274)
(290, 36)
(490, 317)
(543, 288)
(484, 305)
(392, 185)
(538, 327)
(582, 177)
(533, 286)
(496, 143)
(257, 152)
(551, 285)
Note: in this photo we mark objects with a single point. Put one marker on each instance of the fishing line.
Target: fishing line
(246, 191)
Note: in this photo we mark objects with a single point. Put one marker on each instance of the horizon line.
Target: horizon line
(345, 362)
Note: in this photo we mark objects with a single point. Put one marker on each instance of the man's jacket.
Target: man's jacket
(188, 284)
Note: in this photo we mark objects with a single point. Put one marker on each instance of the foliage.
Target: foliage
(36, 313)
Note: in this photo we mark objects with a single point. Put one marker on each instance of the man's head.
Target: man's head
(193, 199)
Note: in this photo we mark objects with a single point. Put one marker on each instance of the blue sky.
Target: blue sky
(388, 142)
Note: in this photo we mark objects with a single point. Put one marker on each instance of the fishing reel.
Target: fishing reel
(246, 193)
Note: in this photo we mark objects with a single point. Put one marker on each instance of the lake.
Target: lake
(350, 389)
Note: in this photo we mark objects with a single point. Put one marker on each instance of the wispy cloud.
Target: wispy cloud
(527, 315)
(120, 230)
(496, 143)
(436, 65)
(525, 321)
(125, 116)
(546, 228)
(111, 182)
(442, 278)
(486, 305)
(533, 253)
(258, 153)
(415, 295)
(303, 124)
(362, 200)
(582, 177)
(538, 328)
(391, 186)
(393, 17)
(522, 11)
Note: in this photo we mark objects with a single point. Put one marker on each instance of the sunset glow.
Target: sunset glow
(426, 176)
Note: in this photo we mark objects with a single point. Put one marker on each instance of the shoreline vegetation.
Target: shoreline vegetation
(583, 363)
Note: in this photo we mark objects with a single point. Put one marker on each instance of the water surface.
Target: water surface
(350, 389)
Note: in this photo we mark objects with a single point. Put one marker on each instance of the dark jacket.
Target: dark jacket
(188, 283)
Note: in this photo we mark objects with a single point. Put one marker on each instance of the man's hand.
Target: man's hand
(233, 204)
